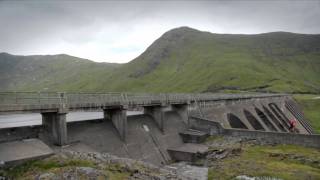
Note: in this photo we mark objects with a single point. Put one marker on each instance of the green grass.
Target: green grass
(24, 170)
(31, 169)
(281, 161)
(311, 109)
(182, 60)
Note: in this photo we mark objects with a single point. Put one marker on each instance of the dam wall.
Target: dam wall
(270, 114)
(215, 128)
(145, 140)
(149, 136)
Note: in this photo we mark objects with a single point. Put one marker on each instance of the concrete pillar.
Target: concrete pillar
(157, 113)
(182, 110)
(56, 126)
(107, 114)
(118, 116)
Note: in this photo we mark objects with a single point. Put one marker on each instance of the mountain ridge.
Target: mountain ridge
(188, 60)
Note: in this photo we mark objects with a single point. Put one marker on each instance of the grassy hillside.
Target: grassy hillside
(311, 106)
(188, 60)
(50, 73)
(286, 162)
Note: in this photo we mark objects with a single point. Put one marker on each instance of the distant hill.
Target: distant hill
(50, 72)
(181, 60)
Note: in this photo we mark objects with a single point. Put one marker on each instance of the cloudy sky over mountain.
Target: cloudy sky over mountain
(118, 31)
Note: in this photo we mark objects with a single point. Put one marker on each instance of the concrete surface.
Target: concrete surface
(19, 151)
(193, 136)
(34, 119)
(218, 111)
(214, 128)
(55, 125)
(157, 113)
(187, 152)
(118, 116)
(145, 141)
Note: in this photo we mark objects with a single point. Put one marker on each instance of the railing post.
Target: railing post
(39, 97)
(16, 99)
(126, 98)
(62, 98)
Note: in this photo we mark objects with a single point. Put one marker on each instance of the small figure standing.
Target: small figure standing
(293, 124)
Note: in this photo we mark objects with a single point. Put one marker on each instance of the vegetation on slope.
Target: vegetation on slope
(32, 169)
(187, 60)
(50, 73)
(311, 109)
(281, 161)
(230, 157)
(287, 162)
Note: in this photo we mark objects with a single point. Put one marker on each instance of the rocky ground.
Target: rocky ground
(73, 165)
(250, 159)
(227, 158)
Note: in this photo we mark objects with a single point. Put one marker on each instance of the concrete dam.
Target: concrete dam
(169, 128)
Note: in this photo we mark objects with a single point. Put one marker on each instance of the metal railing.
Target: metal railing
(114, 98)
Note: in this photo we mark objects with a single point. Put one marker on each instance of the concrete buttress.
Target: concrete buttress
(157, 113)
(182, 110)
(56, 126)
(118, 116)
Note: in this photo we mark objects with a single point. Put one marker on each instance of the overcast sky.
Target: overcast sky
(118, 31)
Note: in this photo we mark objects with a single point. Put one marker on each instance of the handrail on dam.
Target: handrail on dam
(78, 100)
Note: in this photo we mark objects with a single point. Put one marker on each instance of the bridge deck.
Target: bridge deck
(55, 101)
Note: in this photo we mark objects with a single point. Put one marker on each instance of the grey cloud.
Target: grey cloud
(39, 25)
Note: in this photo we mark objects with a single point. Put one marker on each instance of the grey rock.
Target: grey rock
(88, 171)
(47, 176)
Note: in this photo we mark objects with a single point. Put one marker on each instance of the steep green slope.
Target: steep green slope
(186, 60)
(311, 105)
(51, 73)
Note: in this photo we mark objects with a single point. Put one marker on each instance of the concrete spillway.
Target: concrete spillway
(145, 141)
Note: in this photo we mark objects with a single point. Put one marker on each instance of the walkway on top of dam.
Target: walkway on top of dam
(57, 101)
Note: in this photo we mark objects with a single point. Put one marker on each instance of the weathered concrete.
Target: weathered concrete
(144, 140)
(14, 134)
(193, 136)
(147, 137)
(118, 116)
(214, 128)
(259, 109)
(53, 101)
(188, 152)
(182, 110)
(157, 113)
(19, 151)
(56, 126)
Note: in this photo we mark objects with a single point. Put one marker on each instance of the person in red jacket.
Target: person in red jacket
(292, 124)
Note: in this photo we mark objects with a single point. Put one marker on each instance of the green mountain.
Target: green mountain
(181, 60)
(50, 72)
